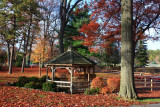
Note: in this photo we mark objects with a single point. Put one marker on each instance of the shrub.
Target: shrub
(18, 64)
(105, 90)
(34, 79)
(43, 78)
(33, 85)
(113, 84)
(97, 83)
(91, 91)
(49, 86)
(22, 81)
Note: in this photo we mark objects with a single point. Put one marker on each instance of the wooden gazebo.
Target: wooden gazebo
(72, 61)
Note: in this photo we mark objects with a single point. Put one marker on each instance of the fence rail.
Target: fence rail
(147, 83)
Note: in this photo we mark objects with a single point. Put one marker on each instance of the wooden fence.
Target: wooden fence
(147, 84)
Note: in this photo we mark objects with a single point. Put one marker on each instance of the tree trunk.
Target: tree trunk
(24, 56)
(39, 68)
(28, 36)
(8, 54)
(12, 52)
(11, 60)
(30, 50)
(23, 64)
(61, 45)
(127, 86)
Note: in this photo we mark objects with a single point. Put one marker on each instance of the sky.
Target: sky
(152, 45)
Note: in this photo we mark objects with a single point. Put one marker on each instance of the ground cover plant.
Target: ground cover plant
(13, 96)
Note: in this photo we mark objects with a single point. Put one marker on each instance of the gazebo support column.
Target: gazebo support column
(47, 74)
(52, 73)
(71, 88)
(93, 69)
(88, 70)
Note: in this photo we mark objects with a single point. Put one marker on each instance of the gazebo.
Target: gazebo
(72, 61)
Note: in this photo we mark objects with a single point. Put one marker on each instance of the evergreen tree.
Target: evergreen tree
(141, 58)
(79, 17)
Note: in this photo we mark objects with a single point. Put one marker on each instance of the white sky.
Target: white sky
(152, 45)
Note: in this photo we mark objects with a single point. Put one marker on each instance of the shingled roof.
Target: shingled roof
(71, 57)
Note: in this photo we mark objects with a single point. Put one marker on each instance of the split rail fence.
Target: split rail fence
(146, 83)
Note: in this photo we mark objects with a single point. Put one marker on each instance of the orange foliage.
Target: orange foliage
(41, 51)
(113, 84)
(62, 73)
(97, 83)
(105, 90)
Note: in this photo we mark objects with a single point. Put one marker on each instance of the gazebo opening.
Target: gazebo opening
(71, 70)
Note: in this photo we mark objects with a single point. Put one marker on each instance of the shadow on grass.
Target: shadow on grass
(149, 99)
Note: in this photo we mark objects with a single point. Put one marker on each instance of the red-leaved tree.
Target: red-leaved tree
(105, 25)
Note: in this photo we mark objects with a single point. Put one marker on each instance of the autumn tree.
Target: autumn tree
(127, 86)
(39, 54)
(106, 15)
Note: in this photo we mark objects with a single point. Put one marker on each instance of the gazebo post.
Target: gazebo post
(93, 69)
(47, 74)
(71, 80)
(88, 70)
(52, 73)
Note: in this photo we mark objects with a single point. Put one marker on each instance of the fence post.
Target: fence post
(145, 82)
(151, 85)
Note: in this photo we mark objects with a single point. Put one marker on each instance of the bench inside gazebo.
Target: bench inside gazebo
(73, 62)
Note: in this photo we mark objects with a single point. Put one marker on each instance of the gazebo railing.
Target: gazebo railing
(62, 83)
(75, 86)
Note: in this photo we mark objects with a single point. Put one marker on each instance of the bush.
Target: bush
(22, 81)
(18, 64)
(97, 83)
(49, 86)
(105, 90)
(113, 84)
(43, 78)
(34, 79)
(19, 60)
(91, 91)
(33, 85)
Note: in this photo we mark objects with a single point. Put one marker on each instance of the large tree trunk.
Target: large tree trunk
(127, 86)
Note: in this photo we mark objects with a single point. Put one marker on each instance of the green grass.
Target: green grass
(42, 96)
(143, 99)
(1, 81)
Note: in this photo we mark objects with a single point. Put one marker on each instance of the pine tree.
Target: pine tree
(141, 58)
(79, 17)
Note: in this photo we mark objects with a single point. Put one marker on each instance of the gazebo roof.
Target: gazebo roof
(71, 57)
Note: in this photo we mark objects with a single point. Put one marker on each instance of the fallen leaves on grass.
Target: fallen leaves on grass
(13, 96)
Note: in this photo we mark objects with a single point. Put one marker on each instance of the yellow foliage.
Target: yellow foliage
(41, 51)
